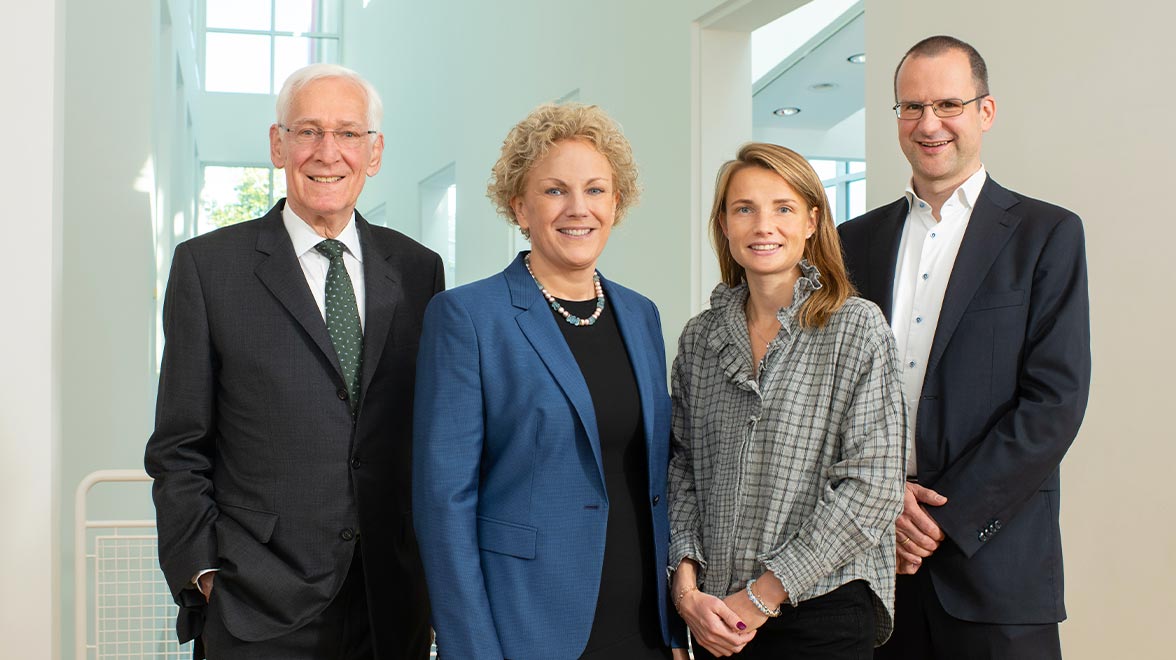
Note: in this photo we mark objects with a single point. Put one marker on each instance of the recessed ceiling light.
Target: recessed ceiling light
(823, 87)
(857, 58)
(786, 112)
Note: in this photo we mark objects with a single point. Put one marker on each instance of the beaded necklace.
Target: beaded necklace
(559, 309)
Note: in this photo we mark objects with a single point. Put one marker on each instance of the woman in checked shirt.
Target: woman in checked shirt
(786, 471)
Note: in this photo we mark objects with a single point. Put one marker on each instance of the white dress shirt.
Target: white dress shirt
(926, 254)
(315, 264)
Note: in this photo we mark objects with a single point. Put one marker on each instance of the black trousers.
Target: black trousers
(923, 630)
(341, 632)
(836, 626)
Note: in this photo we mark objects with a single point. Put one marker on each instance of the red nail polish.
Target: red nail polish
(741, 625)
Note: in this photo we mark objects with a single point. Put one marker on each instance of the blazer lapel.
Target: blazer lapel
(989, 229)
(538, 325)
(637, 344)
(382, 293)
(281, 273)
(884, 257)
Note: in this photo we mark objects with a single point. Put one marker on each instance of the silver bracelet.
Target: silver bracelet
(759, 604)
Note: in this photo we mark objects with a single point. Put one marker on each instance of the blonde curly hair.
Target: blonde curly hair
(531, 138)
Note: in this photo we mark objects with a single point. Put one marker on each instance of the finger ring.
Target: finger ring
(905, 540)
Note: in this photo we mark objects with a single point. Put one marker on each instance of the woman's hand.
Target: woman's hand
(680, 654)
(714, 625)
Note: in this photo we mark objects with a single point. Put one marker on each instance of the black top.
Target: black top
(626, 624)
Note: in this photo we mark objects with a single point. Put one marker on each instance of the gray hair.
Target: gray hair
(308, 74)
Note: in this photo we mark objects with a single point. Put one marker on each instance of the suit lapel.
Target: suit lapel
(883, 258)
(382, 293)
(540, 329)
(281, 273)
(637, 345)
(989, 229)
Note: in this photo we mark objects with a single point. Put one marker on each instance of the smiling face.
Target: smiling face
(766, 223)
(324, 179)
(943, 152)
(568, 204)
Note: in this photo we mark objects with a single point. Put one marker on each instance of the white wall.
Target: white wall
(30, 346)
(1083, 102)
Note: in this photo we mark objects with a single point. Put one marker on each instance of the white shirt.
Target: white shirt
(926, 254)
(315, 264)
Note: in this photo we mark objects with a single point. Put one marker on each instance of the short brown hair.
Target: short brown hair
(939, 44)
(547, 124)
(822, 249)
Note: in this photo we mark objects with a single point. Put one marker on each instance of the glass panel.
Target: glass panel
(279, 185)
(231, 195)
(237, 14)
(237, 63)
(826, 169)
(293, 53)
(856, 166)
(857, 198)
(301, 16)
(831, 193)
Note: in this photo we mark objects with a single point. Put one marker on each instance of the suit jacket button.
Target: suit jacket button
(355, 463)
(342, 393)
(656, 499)
(347, 534)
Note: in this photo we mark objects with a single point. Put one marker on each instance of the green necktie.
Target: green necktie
(343, 318)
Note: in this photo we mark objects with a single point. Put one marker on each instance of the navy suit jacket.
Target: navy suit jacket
(509, 496)
(1005, 391)
(260, 469)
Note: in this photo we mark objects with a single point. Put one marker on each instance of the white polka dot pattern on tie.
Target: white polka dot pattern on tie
(343, 318)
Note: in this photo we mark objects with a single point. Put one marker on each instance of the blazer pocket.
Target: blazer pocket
(259, 524)
(506, 538)
(997, 300)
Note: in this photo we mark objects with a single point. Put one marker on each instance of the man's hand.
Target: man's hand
(204, 584)
(680, 654)
(916, 532)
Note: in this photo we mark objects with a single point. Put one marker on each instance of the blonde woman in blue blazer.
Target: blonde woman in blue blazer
(542, 423)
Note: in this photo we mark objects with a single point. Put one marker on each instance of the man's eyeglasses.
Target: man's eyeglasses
(348, 138)
(942, 108)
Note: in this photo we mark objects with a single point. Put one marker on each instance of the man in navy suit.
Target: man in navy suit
(986, 292)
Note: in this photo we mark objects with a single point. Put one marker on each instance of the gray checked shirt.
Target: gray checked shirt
(799, 472)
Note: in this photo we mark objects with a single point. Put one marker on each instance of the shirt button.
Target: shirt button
(918, 319)
(355, 463)
(926, 275)
(347, 534)
(911, 363)
(933, 234)
(656, 499)
(342, 393)
(922, 205)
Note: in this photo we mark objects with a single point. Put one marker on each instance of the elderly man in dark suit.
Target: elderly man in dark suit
(282, 445)
(986, 292)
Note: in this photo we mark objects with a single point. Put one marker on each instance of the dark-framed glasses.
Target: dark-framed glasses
(306, 134)
(942, 108)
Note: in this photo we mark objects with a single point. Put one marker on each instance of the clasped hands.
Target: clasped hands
(723, 626)
(916, 532)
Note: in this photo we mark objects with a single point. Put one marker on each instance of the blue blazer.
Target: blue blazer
(509, 499)
(1006, 388)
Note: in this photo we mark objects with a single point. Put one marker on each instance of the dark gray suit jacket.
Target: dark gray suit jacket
(259, 468)
(1005, 391)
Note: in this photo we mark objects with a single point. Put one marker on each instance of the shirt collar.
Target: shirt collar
(304, 238)
(967, 193)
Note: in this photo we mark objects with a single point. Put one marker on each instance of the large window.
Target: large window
(234, 193)
(251, 46)
(845, 186)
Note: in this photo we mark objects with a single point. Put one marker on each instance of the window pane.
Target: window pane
(300, 16)
(826, 169)
(279, 184)
(857, 198)
(232, 194)
(831, 193)
(293, 53)
(236, 63)
(237, 14)
(856, 166)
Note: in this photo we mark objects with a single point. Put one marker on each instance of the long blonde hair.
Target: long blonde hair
(822, 249)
